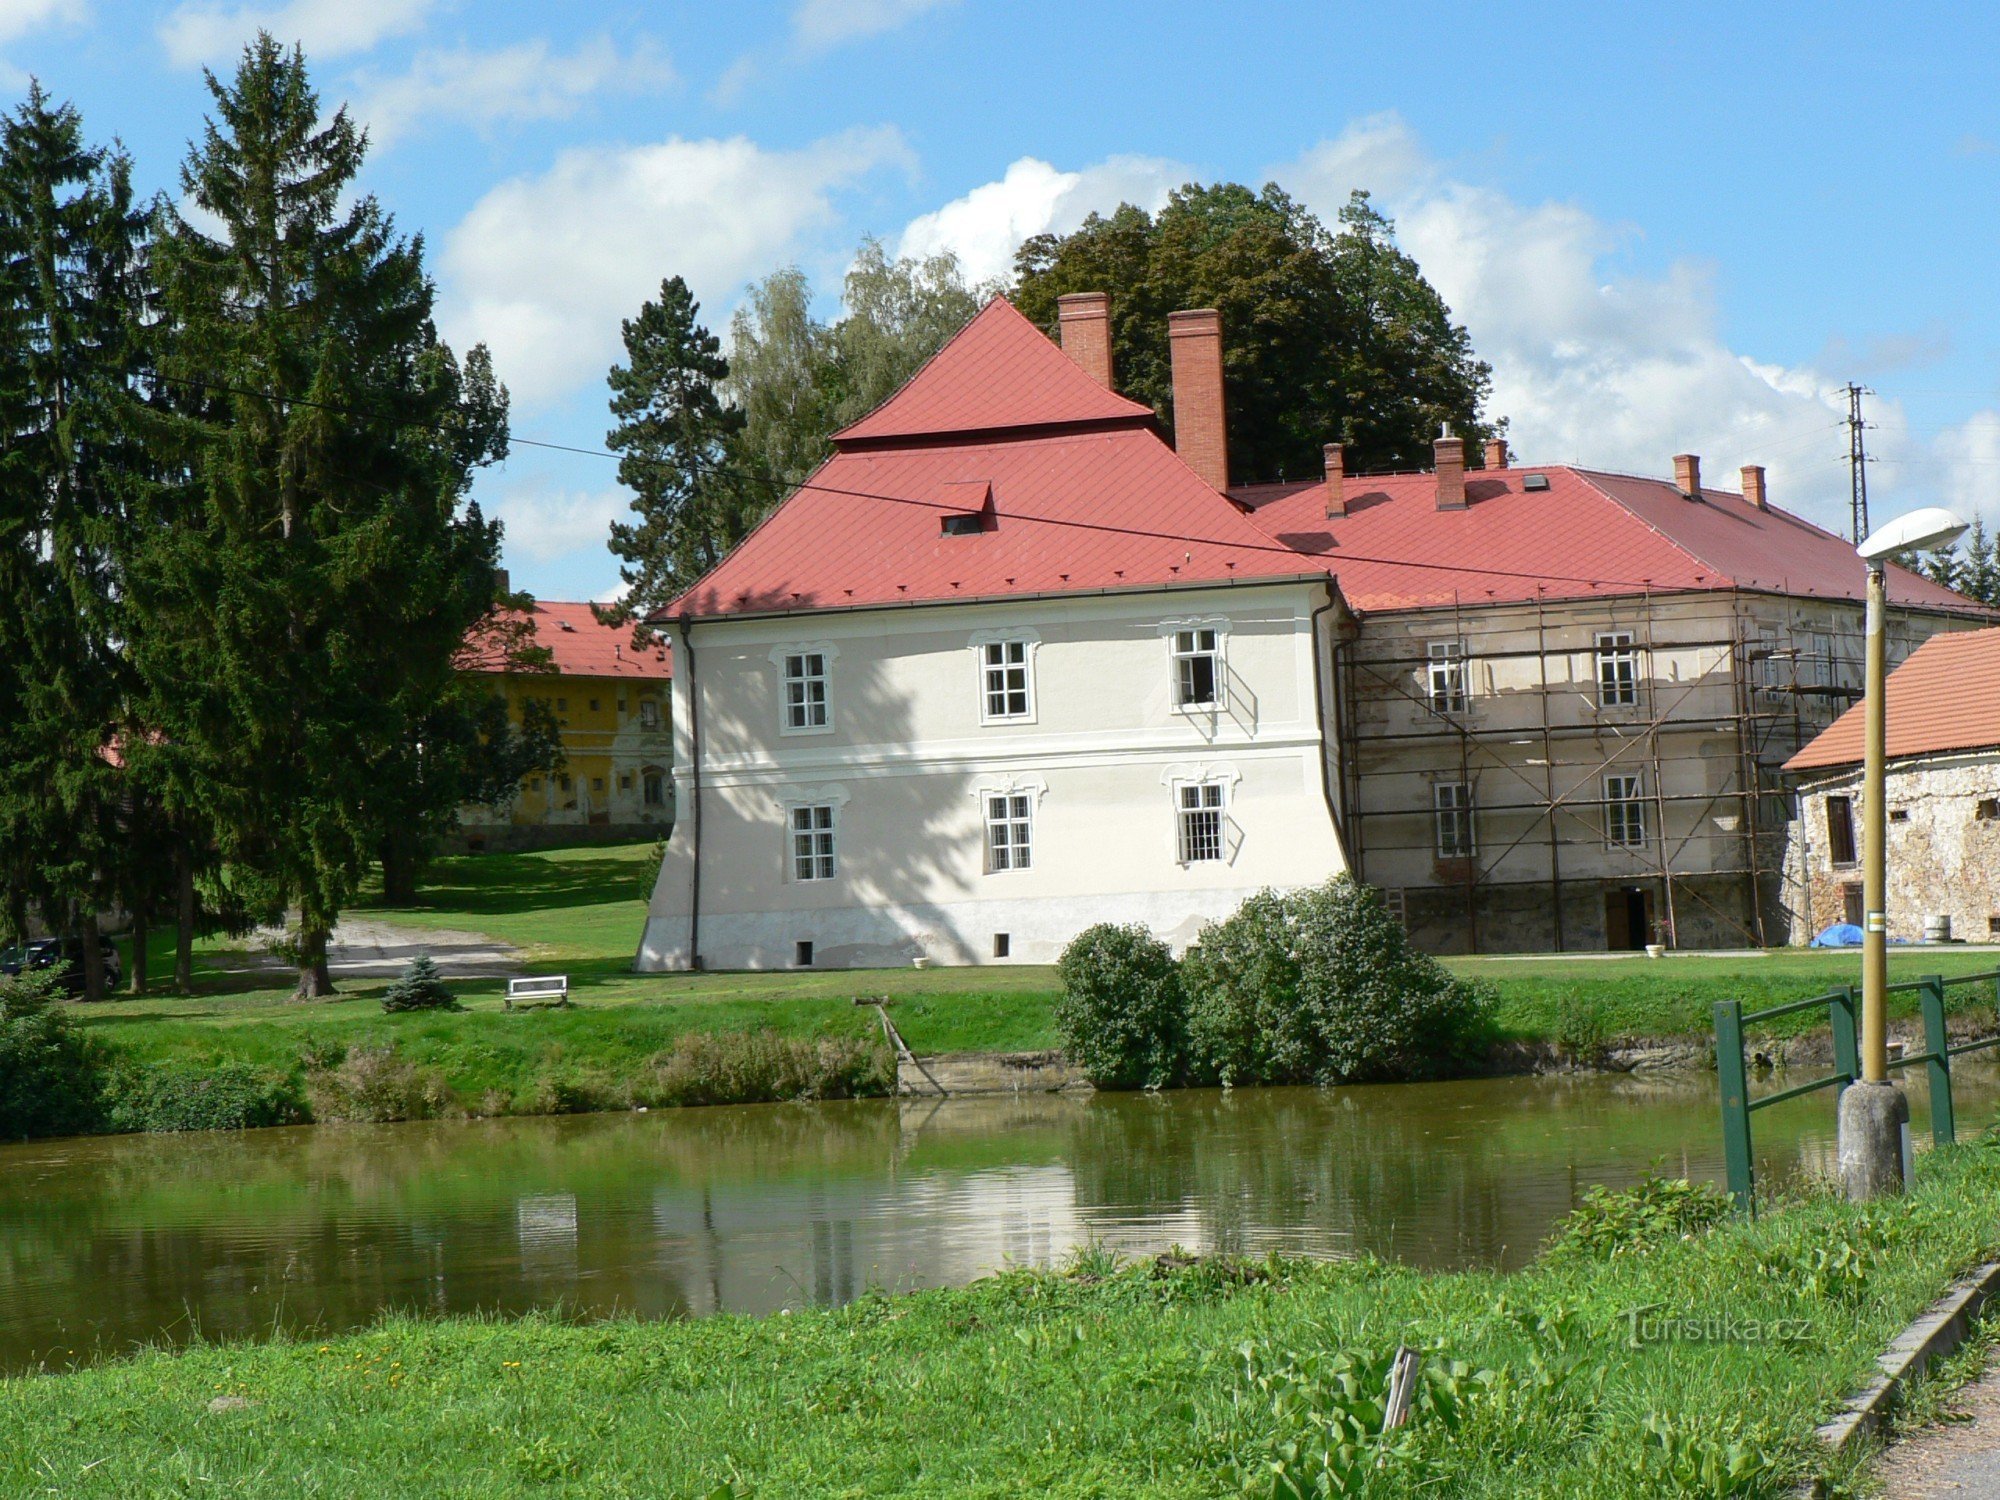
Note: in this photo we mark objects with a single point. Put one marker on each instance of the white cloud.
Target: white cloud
(487, 89)
(543, 268)
(986, 226)
(543, 525)
(202, 31)
(818, 25)
(19, 18)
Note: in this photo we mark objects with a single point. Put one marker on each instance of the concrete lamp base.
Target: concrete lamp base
(1873, 1118)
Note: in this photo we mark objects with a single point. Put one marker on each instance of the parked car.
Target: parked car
(46, 953)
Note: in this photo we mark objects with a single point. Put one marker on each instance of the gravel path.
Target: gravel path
(362, 948)
(1960, 1459)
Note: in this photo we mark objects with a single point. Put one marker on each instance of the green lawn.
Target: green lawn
(1150, 1381)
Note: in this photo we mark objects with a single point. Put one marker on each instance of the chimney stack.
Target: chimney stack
(1084, 319)
(1200, 436)
(500, 588)
(1753, 486)
(1496, 453)
(1687, 474)
(1336, 474)
(1449, 460)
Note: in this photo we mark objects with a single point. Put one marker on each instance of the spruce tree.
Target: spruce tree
(70, 258)
(320, 564)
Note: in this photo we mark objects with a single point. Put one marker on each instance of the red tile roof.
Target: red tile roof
(577, 645)
(1589, 534)
(994, 374)
(1945, 697)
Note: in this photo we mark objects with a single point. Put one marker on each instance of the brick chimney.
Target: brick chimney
(1496, 453)
(500, 581)
(1085, 321)
(1200, 435)
(1449, 460)
(1336, 474)
(1687, 474)
(1753, 486)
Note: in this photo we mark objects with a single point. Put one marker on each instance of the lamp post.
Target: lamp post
(1873, 1111)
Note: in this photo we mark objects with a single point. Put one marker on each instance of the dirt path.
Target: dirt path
(363, 948)
(1960, 1459)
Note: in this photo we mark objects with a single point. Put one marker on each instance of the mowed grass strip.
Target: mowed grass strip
(1121, 1384)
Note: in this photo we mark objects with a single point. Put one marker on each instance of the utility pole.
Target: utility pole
(1857, 461)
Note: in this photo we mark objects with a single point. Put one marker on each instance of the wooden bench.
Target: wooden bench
(539, 987)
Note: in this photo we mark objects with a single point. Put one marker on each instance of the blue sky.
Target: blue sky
(1669, 228)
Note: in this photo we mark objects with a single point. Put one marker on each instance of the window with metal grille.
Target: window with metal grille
(1452, 803)
(1009, 831)
(649, 714)
(812, 842)
(1624, 811)
(1617, 670)
(1840, 829)
(1447, 677)
(1197, 669)
(805, 690)
(1009, 693)
(1201, 822)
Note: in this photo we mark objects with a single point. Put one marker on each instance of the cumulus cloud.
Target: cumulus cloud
(546, 525)
(205, 32)
(986, 226)
(543, 268)
(512, 84)
(19, 18)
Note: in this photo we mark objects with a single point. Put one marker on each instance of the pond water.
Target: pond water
(111, 1242)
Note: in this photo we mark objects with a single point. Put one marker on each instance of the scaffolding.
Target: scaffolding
(1727, 687)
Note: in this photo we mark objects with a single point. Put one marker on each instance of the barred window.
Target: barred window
(1452, 803)
(812, 842)
(1009, 831)
(1201, 822)
(1617, 670)
(805, 690)
(1624, 811)
(1197, 669)
(1447, 677)
(1008, 691)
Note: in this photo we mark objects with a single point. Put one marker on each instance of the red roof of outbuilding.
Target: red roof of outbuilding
(577, 644)
(1588, 534)
(1945, 697)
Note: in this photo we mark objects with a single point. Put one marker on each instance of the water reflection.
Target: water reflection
(110, 1242)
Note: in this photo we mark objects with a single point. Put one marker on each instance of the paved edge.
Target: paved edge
(1940, 1330)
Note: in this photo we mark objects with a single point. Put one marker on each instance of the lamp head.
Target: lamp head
(1920, 531)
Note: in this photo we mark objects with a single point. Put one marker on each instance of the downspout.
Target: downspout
(1325, 728)
(694, 789)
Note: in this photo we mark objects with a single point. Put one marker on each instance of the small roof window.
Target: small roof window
(1534, 481)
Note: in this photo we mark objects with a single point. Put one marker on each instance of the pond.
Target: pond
(111, 1242)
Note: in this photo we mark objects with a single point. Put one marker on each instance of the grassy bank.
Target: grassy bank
(1155, 1380)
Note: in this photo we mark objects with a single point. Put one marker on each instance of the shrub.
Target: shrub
(372, 1085)
(1614, 1222)
(1322, 986)
(52, 1076)
(759, 1067)
(1583, 1025)
(421, 987)
(1122, 1014)
(226, 1096)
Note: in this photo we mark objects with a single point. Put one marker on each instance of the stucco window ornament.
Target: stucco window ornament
(1198, 662)
(805, 687)
(1006, 662)
(1007, 815)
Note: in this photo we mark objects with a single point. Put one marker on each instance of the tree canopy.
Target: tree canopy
(1328, 336)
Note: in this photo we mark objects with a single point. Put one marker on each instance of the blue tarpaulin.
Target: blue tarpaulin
(1839, 935)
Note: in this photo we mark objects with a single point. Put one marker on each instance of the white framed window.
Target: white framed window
(1010, 831)
(1446, 676)
(1617, 669)
(814, 856)
(1197, 667)
(1199, 808)
(1624, 812)
(1006, 679)
(1451, 803)
(805, 687)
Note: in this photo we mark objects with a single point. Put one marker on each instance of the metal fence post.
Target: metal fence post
(1735, 1103)
(1846, 1046)
(1937, 1041)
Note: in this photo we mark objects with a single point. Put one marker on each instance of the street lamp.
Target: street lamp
(1873, 1112)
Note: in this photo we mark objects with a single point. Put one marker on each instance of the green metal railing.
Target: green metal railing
(1843, 1007)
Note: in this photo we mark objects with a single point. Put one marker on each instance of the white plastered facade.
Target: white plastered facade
(912, 755)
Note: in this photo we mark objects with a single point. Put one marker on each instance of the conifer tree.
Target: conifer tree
(70, 257)
(317, 564)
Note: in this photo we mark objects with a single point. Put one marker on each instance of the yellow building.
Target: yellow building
(613, 705)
